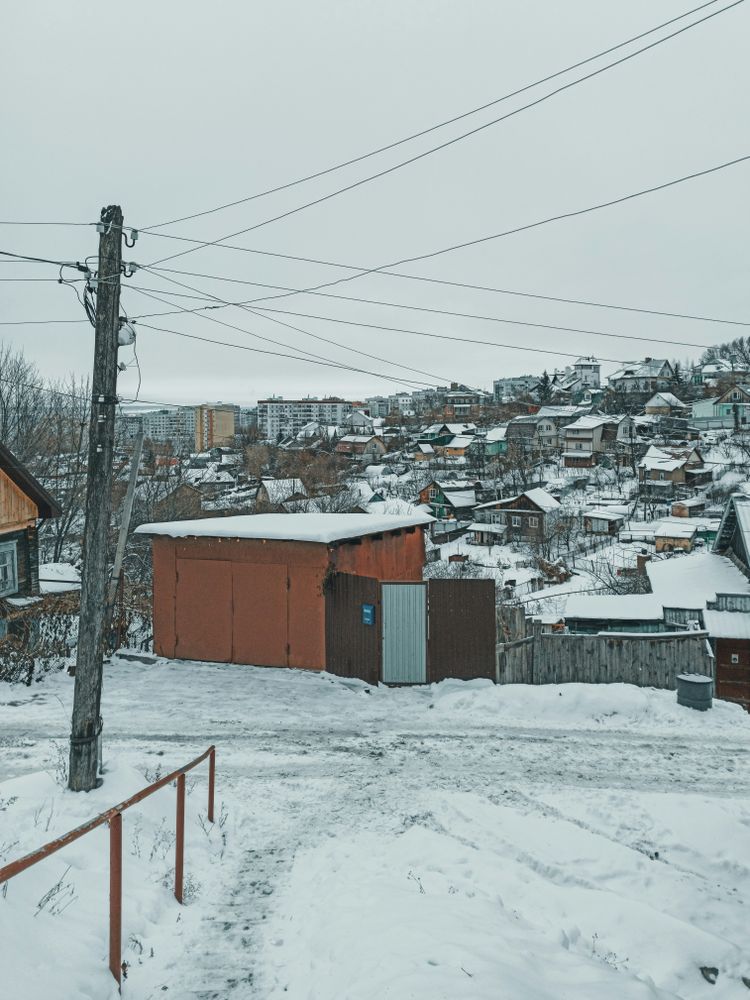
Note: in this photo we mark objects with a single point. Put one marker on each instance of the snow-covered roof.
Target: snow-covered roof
(426, 449)
(323, 528)
(356, 438)
(542, 499)
(665, 399)
(693, 580)
(460, 498)
(589, 421)
(279, 490)
(671, 529)
(615, 607)
(603, 515)
(727, 624)
(496, 434)
(655, 458)
(460, 441)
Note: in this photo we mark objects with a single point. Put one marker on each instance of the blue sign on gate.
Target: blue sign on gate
(368, 614)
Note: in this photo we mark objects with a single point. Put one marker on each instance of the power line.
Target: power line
(495, 319)
(494, 236)
(278, 354)
(39, 322)
(450, 142)
(427, 309)
(432, 128)
(15, 222)
(438, 336)
(520, 229)
(310, 353)
(441, 281)
(45, 260)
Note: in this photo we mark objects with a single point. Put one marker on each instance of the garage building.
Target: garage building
(252, 589)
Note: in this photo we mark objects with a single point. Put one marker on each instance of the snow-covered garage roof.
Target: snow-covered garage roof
(322, 528)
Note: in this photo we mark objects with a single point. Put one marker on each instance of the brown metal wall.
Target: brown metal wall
(352, 649)
(461, 630)
(733, 679)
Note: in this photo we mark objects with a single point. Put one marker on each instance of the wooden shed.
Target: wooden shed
(252, 589)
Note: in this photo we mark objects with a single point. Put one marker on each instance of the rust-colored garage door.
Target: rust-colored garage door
(260, 627)
(203, 610)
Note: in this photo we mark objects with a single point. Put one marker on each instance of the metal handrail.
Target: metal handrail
(113, 817)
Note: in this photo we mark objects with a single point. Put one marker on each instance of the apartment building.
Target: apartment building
(279, 417)
(214, 425)
(506, 389)
(175, 425)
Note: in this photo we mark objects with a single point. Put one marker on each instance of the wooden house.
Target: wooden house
(523, 517)
(665, 404)
(23, 503)
(661, 470)
(364, 447)
(602, 522)
(274, 493)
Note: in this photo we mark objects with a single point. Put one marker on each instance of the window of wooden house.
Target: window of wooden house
(533, 522)
(516, 521)
(8, 569)
(735, 657)
(432, 493)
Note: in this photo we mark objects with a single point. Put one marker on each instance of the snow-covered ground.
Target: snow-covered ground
(461, 840)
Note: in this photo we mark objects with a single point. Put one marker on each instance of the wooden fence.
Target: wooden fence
(647, 660)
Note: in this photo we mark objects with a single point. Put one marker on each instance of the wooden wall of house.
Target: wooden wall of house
(27, 560)
(651, 660)
(17, 511)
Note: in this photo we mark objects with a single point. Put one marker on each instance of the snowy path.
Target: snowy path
(528, 829)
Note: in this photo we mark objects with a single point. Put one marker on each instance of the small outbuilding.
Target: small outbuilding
(253, 589)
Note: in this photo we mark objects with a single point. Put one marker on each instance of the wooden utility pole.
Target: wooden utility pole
(88, 677)
(127, 512)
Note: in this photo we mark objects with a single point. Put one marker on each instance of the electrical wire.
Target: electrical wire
(44, 260)
(447, 283)
(385, 268)
(432, 128)
(520, 229)
(420, 156)
(414, 308)
(277, 354)
(317, 357)
(14, 222)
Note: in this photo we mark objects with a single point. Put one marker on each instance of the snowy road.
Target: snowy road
(464, 841)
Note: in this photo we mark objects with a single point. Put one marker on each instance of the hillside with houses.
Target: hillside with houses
(375, 501)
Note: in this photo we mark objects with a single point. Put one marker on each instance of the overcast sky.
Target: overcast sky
(171, 108)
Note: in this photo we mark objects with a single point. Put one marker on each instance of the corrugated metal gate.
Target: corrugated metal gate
(404, 614)
(409, 633)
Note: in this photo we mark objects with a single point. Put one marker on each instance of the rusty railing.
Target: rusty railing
(113, 817)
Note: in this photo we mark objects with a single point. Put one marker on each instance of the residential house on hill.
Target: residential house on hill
(665, 404)
(440, 434)
(494, 443)
(274, 493)
(591, 437)
(731, 408)
(522, 517)
(650, 375)
(364, 447)
(462, 402)
(664, 470)
(23, 503)
(449, 500)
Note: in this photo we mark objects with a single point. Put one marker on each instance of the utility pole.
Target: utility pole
(88, 677)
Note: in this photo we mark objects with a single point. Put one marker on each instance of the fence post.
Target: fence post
(115, 896)
(211, 783)
(180, 839)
